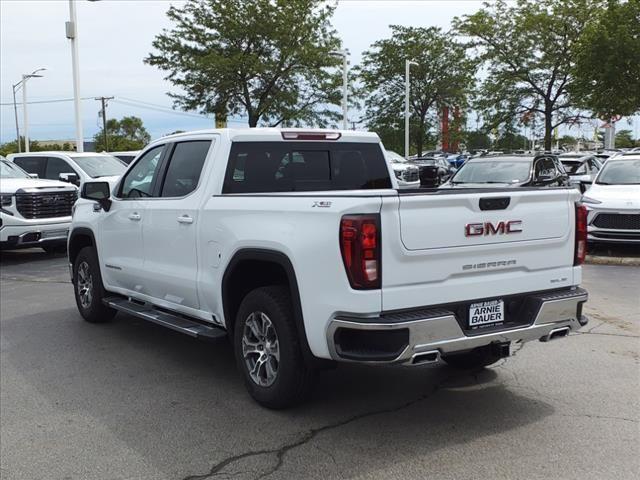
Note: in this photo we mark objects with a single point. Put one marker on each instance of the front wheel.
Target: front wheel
(88, 288)
(268, 351)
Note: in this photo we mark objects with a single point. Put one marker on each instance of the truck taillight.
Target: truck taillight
(581, 235)
(360, 247)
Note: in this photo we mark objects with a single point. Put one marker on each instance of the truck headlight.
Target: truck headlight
(6, 199)
(398, 173)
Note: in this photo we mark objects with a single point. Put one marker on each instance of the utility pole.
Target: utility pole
(104, 120)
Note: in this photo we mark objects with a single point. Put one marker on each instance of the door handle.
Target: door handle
(185, 219)
(134, 216)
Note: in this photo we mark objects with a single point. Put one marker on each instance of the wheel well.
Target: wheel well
(247, 275)
(77, 243)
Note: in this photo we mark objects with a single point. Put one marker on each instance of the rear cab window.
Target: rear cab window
(271, 167)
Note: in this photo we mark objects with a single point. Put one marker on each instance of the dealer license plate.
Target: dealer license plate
(486, 313)
(54, 234)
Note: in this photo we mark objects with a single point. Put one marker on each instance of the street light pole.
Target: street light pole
(72, 34)
(25, 115)
(407, 65)
(15, 112)
(345, 85)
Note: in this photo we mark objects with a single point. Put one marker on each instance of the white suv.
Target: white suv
(34, 213)
(71, 167)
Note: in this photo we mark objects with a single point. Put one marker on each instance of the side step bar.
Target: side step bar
(175, 322)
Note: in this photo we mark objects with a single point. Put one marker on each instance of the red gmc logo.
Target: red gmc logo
(488, 228)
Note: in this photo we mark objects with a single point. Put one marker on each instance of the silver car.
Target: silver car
(582, 169)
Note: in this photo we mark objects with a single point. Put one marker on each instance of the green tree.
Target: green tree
(476, 140)
(567, 142)
(34, 146)
(125, 134)
(607, 61)
(527, 49)
(265, 59)
(443, 76)
(510, 141)
(624, 139)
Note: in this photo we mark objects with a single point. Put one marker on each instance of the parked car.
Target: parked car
(433, 171)
(510, 171)
(407, 175)
(613, 202)
(127, 157)
(296, 245)
(582, 169)
(71, 167)
(34, 213)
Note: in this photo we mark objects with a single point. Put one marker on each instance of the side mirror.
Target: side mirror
(585, 179)
(69, 178)
(98, 192)
(33, 175)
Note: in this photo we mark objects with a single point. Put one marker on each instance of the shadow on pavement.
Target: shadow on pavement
(614, 250)
(180, 404)
(27, 255)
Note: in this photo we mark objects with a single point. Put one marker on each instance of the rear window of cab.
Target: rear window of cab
(271, 167)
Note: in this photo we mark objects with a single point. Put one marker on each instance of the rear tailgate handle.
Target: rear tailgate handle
(494, 203)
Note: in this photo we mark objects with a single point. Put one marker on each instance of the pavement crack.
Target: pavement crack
(309, 435)
(607, 334)
(32, 280)
(600, 417)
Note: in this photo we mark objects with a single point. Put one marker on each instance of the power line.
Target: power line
(57, 100)
(130, 102)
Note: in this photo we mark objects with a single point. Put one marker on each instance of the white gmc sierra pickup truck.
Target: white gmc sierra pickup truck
(298, 246)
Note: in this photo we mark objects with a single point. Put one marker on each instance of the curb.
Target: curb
(600, 260)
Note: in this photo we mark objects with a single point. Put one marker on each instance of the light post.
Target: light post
(407, 65)
(72, 34)
(345, 84)
(15, 112)
(23, 83)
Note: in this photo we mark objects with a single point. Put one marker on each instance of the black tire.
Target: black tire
(91, 308)
(293, 378)
(475, 359)
(55, 249)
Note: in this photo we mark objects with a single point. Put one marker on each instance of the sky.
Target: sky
(115, 35)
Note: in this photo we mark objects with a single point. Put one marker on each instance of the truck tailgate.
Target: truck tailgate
(451, 246)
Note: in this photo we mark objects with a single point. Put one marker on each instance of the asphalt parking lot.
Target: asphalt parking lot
(130, 400)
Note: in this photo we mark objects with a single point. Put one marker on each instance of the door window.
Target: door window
(185, 167)
(140, 180)
(56, 166)
(32, 164)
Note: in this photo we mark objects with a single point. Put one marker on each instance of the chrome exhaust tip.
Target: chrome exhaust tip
(555, 334)
(422, 358)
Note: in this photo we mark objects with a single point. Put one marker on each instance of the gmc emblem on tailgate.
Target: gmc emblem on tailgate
(488, 228)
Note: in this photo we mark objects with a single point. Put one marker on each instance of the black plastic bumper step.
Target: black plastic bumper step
(175, 322)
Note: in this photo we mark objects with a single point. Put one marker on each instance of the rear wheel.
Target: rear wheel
(478, 358)
(88, 287)
(268, 351)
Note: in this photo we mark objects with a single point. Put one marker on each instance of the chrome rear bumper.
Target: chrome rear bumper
(435, 332)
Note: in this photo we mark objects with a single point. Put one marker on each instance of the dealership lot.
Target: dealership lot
(130, 400)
